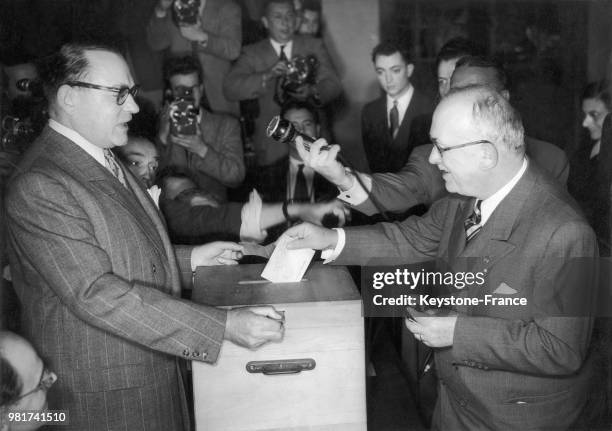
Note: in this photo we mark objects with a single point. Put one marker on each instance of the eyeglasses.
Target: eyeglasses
(442, 150)
(47, 379)
(122, 92)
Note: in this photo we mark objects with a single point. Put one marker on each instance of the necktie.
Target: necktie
(113, 166)
(301, 188)
(282, 55)
(472, 223)
(394, 119)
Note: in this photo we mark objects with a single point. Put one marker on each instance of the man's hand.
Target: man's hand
(278, 69)
(202, 199)
(216, 253)
(433, 329)
(324, 162)
(192, 143)
(302, 93)
(307, 235)
(252, 327)
(164, 124)
(194, 33)
(314, 213)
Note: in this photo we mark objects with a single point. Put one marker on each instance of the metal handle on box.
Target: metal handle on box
(281, 366)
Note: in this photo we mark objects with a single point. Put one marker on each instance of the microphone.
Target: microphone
(284, 131)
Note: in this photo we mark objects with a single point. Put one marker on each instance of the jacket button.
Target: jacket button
(186, 352)
(154, 268)
(204, 355)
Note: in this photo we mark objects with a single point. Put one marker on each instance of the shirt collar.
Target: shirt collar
(277, 47)
(96, 152)
(489, 204)
(402, 101)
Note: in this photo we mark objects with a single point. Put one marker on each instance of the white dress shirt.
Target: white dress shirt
(94, 151)
(292, 179)
(277, 47)
(402, 104)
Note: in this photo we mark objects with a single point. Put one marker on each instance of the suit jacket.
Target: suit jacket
(245, 82)
(221, 20)
(199, 224)
(223, 164)
(420, 182)
(508, 367)
(387, 154)
(99, 282)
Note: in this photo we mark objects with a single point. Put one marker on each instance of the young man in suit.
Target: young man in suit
(499, 367)
(97, 276)
(398, 121)
(215, 39)
(262, 64)
(213, 154)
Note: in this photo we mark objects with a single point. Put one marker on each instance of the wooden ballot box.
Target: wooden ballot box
(264, 389)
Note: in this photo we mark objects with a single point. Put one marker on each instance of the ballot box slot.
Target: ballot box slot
(281, 366)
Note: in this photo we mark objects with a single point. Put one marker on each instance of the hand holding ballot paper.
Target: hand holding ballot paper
(286, 265)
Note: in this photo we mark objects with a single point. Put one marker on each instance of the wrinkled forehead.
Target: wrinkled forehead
(453, 116)
(107, 68)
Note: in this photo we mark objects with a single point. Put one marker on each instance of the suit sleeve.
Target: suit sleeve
(186, 220)
(244, 81)
(419, 182)
(328, 84)
(416, 239)
(53, 233)
(223, 160)
(555, 342)
(226, 42)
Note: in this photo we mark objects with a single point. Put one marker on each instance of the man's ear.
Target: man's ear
(264, 21)
(409, 69)
(66, 97)
(489, 156)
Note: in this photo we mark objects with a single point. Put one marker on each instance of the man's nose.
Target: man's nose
(130, 105)
(434, 157)
(586, 122)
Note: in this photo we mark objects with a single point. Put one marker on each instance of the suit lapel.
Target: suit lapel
(88, 171)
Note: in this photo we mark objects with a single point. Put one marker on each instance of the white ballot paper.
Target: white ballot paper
(287, 266)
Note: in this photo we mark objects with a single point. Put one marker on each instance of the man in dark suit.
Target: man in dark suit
(214, 39)
(213, 154)
(499, 367)
(260, 66)
(398, 121)
(98, 279)
(419, 182)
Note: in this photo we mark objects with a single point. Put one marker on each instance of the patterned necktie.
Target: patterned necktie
(300, 193)
(282, 55)
(472, 223)
(394, 120)
(113, 166)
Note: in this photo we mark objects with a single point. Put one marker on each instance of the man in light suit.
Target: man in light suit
(419, 182)
(215, 39)
(213, 155)
(498, 367)
(398, 121)
(97, 276)
(261, 64)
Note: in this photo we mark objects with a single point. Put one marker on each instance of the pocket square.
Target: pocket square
(504, 289)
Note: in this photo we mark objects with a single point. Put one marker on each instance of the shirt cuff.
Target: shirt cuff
(329, 256)
(356, 195)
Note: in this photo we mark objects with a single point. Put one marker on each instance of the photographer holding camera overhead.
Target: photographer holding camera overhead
(205, 145)
(210, 30)
(278, 69)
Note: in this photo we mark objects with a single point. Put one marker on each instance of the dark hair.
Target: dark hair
(298, 105)
(182, 66)
(172, 171)
(120, 150)
(486, 63)
(458, 47)
(269, 2)
(10, 383)
(390, 47)
(67, 64)
(599, 90)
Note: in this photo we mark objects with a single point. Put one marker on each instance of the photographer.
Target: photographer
(261, 65)
(205, 145)
(209, 29)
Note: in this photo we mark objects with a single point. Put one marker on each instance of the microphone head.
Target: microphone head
(281, 130)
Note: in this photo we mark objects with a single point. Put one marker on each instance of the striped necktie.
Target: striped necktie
(472, 223)
(113, 166)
